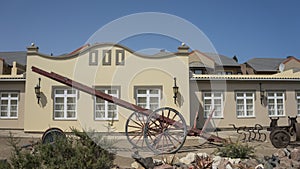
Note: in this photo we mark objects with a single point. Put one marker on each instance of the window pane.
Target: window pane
(3, 113)
(154, 99)
(13, 108)
(154, 91)
(4, 108)
(249, 94)
(71, 100)
(98, 100)
(14, 102)
(59, 91)
(142, 99)
(59, 100)
(14, 95)
(58, 114)
(59, 107)
(100, 107)
(207, 94)
(142, 91)
(112, 92)
(100, 114)
(13, 114)
(4, 94)
(4, 102)
(70, 114)
(240, 94)
(71, 91)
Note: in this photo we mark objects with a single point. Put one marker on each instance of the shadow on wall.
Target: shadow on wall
(180, 99)
(43, 100)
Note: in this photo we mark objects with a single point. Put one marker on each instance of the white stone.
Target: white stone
(202, 155)
(188, 159)
(136, 165)
(234, 160)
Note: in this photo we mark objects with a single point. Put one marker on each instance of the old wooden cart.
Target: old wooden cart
(163, 130)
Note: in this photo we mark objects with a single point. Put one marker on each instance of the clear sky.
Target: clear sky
(247, 29)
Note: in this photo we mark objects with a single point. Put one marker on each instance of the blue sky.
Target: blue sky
(247, 29)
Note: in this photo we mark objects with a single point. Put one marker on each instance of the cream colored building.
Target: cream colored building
(114, 69)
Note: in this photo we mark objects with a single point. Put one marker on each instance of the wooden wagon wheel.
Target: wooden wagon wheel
(134, 129)
(165, 131)
(280, 138)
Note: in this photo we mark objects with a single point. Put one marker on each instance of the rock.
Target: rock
(234, 160)
(285, 162)
(295, 164)
(268, 166)
(136, 165)
(180, 165)
(216, 161)
(157, 162)
(295, 154)
(259, 166)
(250, 163)
(280, 153)
(164, 166)
(188, 159)
(202, 154)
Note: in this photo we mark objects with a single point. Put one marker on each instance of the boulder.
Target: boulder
(188, 159)
(295, 154)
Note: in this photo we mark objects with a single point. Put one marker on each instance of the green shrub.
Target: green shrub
(235, 150)
(75, 151)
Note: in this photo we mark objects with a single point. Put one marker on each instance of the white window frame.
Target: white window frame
(9, 98)
(298, 102)
(65, 95)
(244, 99)
(148, 95)
(106, 104)
(208, 107)
(275, 106)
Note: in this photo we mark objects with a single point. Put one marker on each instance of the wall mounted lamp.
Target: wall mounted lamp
(262, 94)
(37, 90)
(175, 90)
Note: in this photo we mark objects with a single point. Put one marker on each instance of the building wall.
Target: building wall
(14, 86)
(137, 71)
(260, 110)
(292, 63)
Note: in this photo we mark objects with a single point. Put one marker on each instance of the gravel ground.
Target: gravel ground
(124, 151)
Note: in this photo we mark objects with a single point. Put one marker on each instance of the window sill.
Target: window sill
(106, 119)
(8, 118)
(277, 115)
(65, 119)
(246, 117)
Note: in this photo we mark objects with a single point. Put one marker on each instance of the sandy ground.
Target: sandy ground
(124, 149)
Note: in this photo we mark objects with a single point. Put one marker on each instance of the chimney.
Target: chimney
(32, 48)
(183, 50)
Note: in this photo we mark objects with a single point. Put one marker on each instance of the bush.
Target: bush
(75, 151)
(235, 150)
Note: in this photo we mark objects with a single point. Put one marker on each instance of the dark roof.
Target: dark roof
(265, 64)
(222, 60)
(19, 56)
